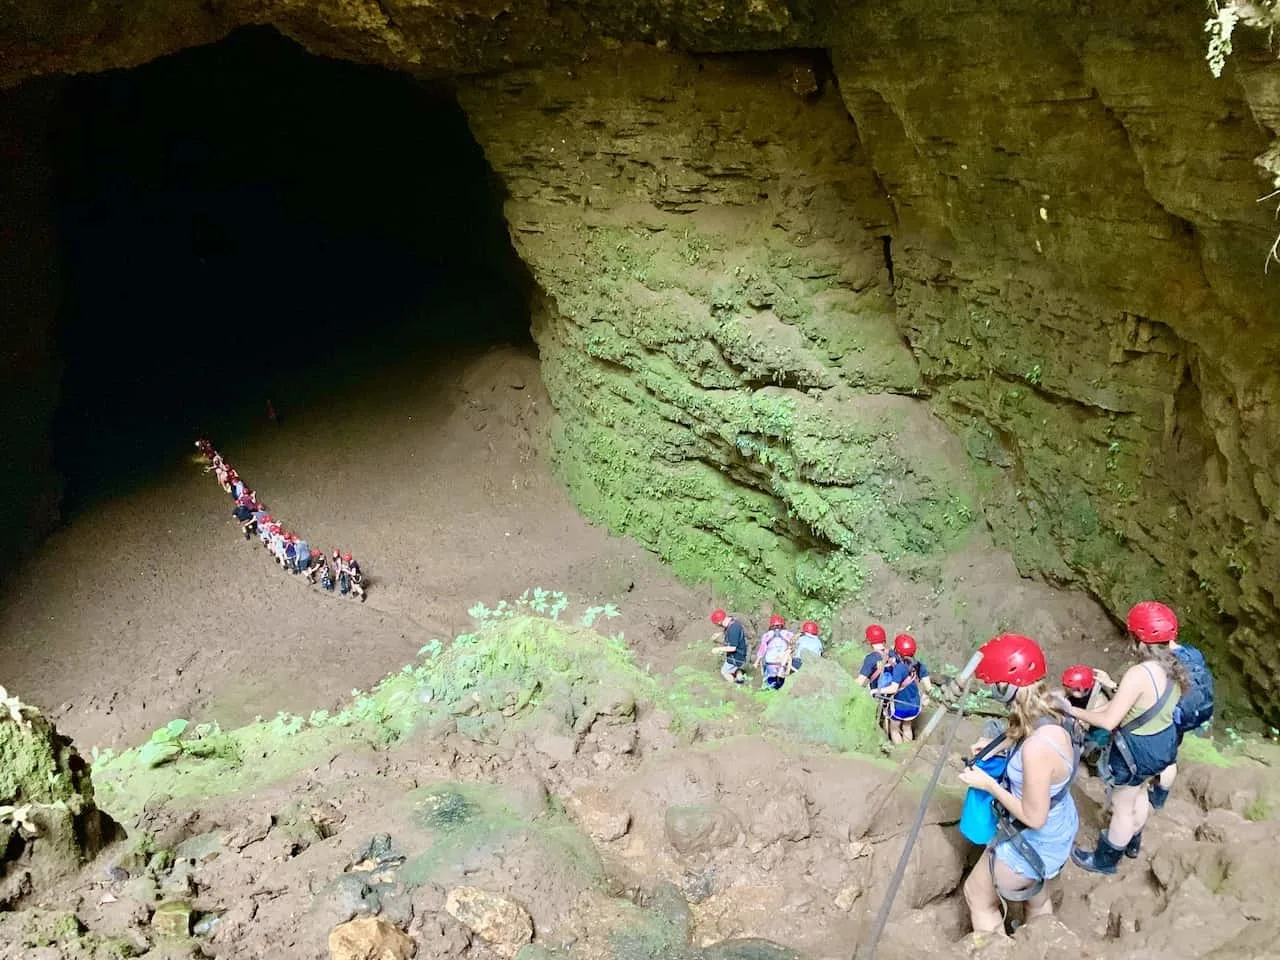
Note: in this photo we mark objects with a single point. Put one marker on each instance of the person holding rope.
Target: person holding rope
(1144, 738)
(773, 655)
(1035, 815)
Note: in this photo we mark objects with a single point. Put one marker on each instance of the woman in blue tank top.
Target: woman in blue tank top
(1038, 817)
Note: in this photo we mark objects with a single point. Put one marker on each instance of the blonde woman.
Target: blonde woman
(1037, 819)
(1144, 740)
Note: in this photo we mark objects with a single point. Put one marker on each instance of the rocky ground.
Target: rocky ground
(530, 791)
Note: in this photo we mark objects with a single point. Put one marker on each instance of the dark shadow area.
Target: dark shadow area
(246, 224)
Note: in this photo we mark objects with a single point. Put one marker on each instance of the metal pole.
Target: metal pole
(895, 881)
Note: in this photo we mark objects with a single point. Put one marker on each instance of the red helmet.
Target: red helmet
(904, 645)
(1013, 659)
(315, 551)
(809, 627)
(1078, 677)
(267, 518)
(875, 634)
(1153, 622)
(346, 557)
(777, 621)
(718, 617)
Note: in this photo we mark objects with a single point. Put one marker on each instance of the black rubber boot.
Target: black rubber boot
(1157, 795)
(1133, 846)
(1101, 860)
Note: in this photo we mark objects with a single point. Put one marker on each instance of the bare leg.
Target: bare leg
(1125, 820)
(908, 731)
(980, 895)
(895, 731)
(1168, 775)
(1041, 905)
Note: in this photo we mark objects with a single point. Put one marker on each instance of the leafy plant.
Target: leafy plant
(592, 614)
(165, 744)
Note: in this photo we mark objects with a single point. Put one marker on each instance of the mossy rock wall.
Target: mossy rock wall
(718, 331)
(1081, 278)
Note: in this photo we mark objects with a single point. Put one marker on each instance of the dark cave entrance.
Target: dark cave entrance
(247, 223)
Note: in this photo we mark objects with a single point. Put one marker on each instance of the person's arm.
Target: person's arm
(862, 680)
(1111, 715)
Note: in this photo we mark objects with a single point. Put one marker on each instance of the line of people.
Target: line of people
(779, 653)
(1020, 806)
(340, 571)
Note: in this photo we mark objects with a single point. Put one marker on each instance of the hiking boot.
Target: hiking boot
(1157, 795)
(1103, 859)
(1133, 846)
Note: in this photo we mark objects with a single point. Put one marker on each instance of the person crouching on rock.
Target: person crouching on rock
(205, 448)
(1088, 689)
(906, 676)
(1036, 816)
(357, 578)
(733, 644)
(1143, 742)
(808, 644)
(774, 652)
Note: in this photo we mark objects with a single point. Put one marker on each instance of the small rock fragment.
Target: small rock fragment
(500, 922)
(172, 919)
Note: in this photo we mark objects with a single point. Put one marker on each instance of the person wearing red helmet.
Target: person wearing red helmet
(1144, 738)
(906, 675)
(1037, 819)
(874, 663)
(357, 578)
(774, 653)
(1194, 709)
(732, 638)
(315, 563)
(808, 644)
(1085, 687)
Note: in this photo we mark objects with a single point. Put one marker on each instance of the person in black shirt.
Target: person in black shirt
(733, 644)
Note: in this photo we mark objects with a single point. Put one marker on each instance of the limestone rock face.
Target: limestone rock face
(719, 335)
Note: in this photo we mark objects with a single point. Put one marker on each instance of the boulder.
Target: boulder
(172, 919)
(370, 938)
(501, 923)
(699, 827)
